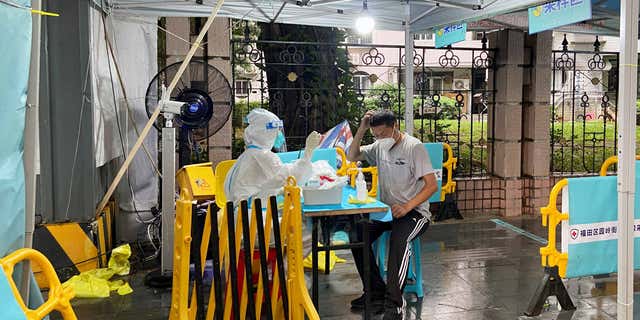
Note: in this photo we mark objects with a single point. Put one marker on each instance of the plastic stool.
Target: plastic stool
(414, 273)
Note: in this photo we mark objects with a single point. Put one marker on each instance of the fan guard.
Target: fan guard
(207, 94)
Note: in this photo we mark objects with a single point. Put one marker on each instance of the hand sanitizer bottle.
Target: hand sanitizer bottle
(361, 187)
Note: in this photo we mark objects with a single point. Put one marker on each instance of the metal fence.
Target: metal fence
(313, 86)
(584, 108)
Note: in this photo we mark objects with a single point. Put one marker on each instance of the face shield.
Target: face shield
(265, 131)
(280, 144)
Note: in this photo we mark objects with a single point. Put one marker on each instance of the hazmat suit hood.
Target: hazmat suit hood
(259, 172)
(263, 129)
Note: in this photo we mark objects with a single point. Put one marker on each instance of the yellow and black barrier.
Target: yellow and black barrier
(240, 285)
(74, 247)
(69, 247)
(104, 227)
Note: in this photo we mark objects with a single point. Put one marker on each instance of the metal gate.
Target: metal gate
(313, 86)
(584, 96)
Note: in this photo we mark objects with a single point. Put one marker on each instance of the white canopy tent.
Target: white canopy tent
(388, 14)
(408, 16)
(424, 15)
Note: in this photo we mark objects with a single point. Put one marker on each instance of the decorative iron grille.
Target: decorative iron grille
(452, 96)
(583, 107)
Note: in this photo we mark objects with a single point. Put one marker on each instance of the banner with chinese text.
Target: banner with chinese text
(450, 34)
(590, 236)
(558, 13)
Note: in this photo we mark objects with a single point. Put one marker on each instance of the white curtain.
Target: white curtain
(134, 44)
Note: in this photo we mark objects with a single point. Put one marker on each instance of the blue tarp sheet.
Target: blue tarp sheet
(15, 54)
(15, 37)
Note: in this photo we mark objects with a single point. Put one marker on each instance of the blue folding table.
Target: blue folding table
(317, 212)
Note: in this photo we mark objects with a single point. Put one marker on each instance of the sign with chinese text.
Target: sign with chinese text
(558, 13)
(450, 34)
(590, 237)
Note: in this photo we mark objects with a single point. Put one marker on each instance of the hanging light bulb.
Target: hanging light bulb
(364, 23)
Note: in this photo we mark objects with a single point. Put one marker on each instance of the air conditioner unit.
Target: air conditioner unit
(460, 84)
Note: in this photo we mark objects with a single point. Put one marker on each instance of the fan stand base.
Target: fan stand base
(155, 279)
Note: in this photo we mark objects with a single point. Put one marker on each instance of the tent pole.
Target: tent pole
(156, 113)
(408, 73)
(31, 145)
(627, 95)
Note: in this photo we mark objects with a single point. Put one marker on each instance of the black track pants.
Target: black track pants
(403, 231)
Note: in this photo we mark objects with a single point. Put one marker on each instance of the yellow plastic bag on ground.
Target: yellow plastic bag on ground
(88, 286)
(333, 259)
(95, 283)
(119, 260)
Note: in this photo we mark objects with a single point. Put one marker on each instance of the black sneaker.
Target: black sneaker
(375, 307)
(358, 303)
(392, 315)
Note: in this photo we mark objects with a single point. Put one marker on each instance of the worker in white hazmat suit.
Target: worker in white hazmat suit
(259, 172)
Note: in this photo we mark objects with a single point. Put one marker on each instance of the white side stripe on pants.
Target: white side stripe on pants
(406, 256)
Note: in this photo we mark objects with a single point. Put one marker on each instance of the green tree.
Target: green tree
(310, 83)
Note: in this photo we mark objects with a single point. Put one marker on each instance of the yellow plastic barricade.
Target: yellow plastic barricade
(196, 182)
(199, 186)
(554, 262)
(353, 172)
(221, 173)
(346, 165)
(450, 165)
(300, 304)
(551, 217)
(59, 298)
(609, 162)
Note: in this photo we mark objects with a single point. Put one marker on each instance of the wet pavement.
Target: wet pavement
(472, 269)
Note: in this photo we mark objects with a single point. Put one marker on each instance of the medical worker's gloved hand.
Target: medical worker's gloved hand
(313, 140)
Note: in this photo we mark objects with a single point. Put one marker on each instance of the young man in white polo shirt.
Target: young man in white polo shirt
(406, 181)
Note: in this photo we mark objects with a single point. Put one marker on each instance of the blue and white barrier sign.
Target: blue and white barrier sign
(450, 34)
(558, 13)
(435, 151)
(590, 237)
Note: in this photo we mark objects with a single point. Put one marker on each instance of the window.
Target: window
(242, 87)
(435, 84)
(428, 82)
(579, 82)
(429, 85)
(360, 39)
(361, 81)
(423, 36)
(355, 58)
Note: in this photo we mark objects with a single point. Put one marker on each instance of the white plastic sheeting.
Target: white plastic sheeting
(106, 139)
(134, 43)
